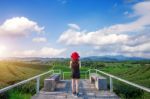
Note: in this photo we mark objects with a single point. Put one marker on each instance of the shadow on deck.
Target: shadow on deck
(86, 90)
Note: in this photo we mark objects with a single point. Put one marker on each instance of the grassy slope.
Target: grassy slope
(12, 72)
(134, 73)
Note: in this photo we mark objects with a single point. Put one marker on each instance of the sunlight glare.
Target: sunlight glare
(3, 51)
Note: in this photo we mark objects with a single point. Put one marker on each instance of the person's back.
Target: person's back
(75, 67)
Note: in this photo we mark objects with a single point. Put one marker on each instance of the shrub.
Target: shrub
(127, 91)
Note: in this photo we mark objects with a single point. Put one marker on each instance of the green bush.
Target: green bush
(127, 91)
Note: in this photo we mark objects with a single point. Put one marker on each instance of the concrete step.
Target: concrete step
(86, 89)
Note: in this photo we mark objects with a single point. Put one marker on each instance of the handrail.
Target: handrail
(52, 71)
(23, 82)
(125, 81)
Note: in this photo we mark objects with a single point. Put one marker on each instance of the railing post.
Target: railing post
(37, 85)
(96, 71)
(63, 76)
(53, 72)
(60, 74)
(89, 72)
(85, 74)
(60, 71)
(111, 84)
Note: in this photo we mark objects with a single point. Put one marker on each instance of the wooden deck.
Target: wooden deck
(86, 90)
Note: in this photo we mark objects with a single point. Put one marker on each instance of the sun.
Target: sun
(3, 51)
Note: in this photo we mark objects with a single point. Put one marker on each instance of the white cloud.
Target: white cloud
(139, 48)
(39, 39)
(74, 26)
(19, 26)
(115, 33)
(43, 52)
(126, 38)
(51, 51)
(74, 37)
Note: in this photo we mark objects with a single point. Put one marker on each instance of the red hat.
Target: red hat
(75, 56)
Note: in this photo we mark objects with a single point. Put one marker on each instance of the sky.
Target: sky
(56, 28)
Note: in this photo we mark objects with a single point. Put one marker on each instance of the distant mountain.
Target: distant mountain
(113, 58)
(32, 59)
(92, 58)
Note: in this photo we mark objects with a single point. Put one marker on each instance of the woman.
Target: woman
(74, 65)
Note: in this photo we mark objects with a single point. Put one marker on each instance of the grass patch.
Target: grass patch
(18, 95)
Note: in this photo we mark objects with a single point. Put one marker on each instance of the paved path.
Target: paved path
(87, 91)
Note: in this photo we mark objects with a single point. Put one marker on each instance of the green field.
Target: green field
(134, 72)
(14, 71)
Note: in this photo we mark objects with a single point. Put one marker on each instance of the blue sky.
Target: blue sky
(55, 28)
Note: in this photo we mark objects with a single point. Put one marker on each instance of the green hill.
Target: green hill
(14, 71)
(137, 73)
